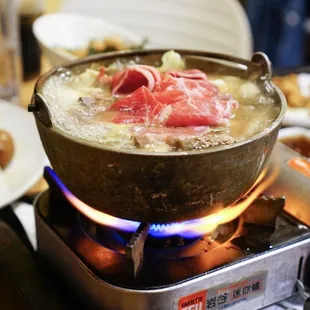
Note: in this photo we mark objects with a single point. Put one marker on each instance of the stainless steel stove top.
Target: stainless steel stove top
(257, 268)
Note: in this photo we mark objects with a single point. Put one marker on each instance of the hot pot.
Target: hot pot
(160, 187)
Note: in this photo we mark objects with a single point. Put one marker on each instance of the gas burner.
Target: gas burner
(187, 229)
(165, 247)
(148, 243)
(258, 243)
(251, 232)
(204, 244)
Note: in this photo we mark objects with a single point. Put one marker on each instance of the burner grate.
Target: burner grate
(251, 233)
(187, 229)
(135, 250)
(138, 259)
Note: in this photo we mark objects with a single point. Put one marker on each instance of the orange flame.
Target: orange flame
(211, 222)
(190, 228)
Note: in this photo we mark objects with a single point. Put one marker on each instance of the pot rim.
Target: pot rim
(184, 52)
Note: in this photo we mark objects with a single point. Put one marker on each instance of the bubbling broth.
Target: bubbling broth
(163, 107)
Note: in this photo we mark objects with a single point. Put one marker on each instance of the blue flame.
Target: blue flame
(185, 229)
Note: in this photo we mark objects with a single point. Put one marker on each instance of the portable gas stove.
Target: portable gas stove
(246, 262)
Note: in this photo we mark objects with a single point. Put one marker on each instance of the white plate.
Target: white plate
(74, 31)
(293, 132)
(297, 117)
(26, 167)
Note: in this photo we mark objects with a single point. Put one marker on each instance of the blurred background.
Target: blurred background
(279, 28)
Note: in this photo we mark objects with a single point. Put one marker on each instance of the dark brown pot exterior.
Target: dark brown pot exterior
(156, 189)
(151, 188)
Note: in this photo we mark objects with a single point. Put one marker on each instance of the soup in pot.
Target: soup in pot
(171, 106)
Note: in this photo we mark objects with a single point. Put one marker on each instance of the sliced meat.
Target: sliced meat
(194, 74)
(131, 79)
(175, 102)
(138, 107)
(170, 96)
(208, 111)
(190, 88)
(137, 130)
(180, 138)
(193, 103)
(200, 142)
(154, 72)
(147, 136)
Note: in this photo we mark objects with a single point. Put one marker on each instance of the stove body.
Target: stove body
(249, 281)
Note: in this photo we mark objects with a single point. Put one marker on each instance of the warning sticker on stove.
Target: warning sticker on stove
(226, 295)
(196, 301)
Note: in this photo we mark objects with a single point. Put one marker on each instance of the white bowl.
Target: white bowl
(27, 164)
(297, 117)
(74, 31)
(293, 132)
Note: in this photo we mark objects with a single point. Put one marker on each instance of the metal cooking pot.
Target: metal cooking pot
(160, 187)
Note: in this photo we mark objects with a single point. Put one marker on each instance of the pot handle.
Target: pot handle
(263, 61)
(39, 109)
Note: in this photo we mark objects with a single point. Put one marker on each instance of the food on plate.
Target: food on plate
(109, 44)
(290, 87)
(6, 148)
(300, 144)
(160, 107)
